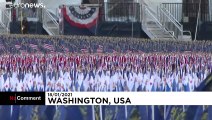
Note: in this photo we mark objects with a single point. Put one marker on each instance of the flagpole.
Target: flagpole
(11, 111)
(126, 112)
(93, 113)
(164, 116)
(132, 20)
(183, 108)
(153, 112)
(100, 107)
(97, 19)
(100, 110)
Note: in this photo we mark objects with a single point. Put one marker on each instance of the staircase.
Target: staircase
(162, 25)
(2, 29)
(5, 21)
(50, 22)
(153, 27)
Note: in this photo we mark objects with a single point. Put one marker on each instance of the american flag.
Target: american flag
(100, 49)
(52, 52)
(39, 52)
(128, 51)
(48, 46)
(33, 46)
(17, 46)
(2, 46)
(23, 51)
(64, 46)
(140, 52)
(75, 52)
(65, 49)
(84, 50)
(115, 52)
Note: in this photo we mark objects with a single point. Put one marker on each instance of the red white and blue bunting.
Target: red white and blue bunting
(81, 16)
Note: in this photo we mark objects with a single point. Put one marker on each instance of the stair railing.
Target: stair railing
(179, 32)
(149, 16)
(5, 20)
(50, 24)
(170, 23)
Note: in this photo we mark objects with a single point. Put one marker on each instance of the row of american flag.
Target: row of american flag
(135, 60)
(84, 44)
(46, 46)
(93, 63)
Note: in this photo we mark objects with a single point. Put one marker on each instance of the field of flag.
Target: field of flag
(103, 64)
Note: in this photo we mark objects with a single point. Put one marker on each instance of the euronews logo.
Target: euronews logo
(26, 5)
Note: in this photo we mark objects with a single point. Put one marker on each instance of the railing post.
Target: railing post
(2, 17)
(144, 13)
(181, 33)
(42, 18)
(140, 13)
(61, 20)
(158, 16)
(210, 10)
(198, 18)
(105, 10)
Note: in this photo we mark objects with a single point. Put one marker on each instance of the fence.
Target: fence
(50, 24)
(170, 23)
(120, 12)
(30, 14)
(5, 20)
(188, 12)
